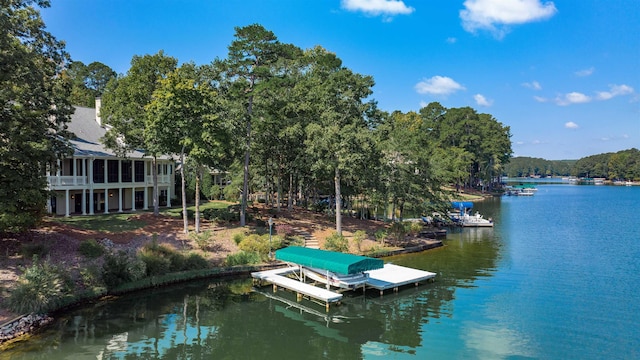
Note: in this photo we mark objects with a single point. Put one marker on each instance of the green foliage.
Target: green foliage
(91, 249)
(221, 215)
(205, 240)
(412, 227)
(380, 236)
(397, 231)
(91, 277)
(194, 262)
(337, 242)
(35, 110)
(238, 237)
(260, 243)
(88, 81)
(243, 258)
(38, 249)
(40, 288)
(358, 237)
(122, 267)
(522, 166)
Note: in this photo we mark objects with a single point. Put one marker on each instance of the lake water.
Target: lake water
(558, 277)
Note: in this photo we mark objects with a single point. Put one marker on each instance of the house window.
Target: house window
(98, 171)
(139, 169)
(162, 198)
(112, 170)
(126, 171)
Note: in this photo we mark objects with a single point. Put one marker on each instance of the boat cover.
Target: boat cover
(460, 205)
(335, 262)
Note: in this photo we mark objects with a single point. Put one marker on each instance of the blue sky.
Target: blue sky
(564, 74)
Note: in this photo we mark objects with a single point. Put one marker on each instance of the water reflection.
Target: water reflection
(230, 319)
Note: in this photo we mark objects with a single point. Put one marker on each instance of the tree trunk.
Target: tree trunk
(197, 214)
(245, 183)
(338, 203)
(185, 219)
(290, 196)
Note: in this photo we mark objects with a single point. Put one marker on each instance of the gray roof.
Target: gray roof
(88, 133)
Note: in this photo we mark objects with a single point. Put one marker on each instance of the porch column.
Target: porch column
(133, 199)
(106, 199)
(84, 201)
(119, 170)
(145, 201)
(75, 170)
(106, 173)
(168, 196)
(90, 182)
(120, 195)
(66, 200)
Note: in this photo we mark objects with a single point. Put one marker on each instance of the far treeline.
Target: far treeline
(282, 121)
(622, 165)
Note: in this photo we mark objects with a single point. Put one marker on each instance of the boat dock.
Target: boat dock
(388, 277)
(277, 278)
(393, 276)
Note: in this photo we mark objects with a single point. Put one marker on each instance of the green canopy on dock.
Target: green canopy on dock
(336, 262)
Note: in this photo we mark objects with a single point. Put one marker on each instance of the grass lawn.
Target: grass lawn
(118, 222)
(104, 223)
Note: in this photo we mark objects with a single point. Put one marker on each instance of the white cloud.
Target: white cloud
(533, 85)
(585, 72)
(438, 85)
(614, 90)
(572, 98)
(540, 99)
(378, 7)
(496, 15)
(571, 125)
(451, 40)
(481, 100)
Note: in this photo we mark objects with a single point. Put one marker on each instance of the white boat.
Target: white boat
(465, 219)
(343, 281)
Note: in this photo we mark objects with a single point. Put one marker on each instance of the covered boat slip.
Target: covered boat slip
(335, 262)
(379, 276)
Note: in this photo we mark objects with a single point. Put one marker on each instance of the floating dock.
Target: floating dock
(388, 277)
(393, 276)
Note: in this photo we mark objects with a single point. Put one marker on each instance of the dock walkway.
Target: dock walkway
(276, 278)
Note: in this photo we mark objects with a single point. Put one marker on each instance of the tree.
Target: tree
(35, 110)
(334, 140)
(248, 68)
(88, 82)
(184, 117)
(124, 108)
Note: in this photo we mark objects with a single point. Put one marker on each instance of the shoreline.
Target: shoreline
(21, 327)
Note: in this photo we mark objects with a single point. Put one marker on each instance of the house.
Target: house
(96, 181)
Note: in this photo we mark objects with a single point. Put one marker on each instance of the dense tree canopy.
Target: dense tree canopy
(88, 81)
(35, 110)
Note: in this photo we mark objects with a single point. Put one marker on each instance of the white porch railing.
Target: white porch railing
(58, 181)
(162, 179)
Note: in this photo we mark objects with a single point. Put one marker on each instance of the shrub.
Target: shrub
(243, 258)
(337, 242)
(412, 227)
(42, 287)
(358, 237)
(91, 278)
(221, 215)
(195, 262)
(397, 231)
(295, 241)
(237, 238)
(91, 249)
(260, 243)
(121, 268)
(190, 214)
(284, 230)
(380, 236)
(155, 263)
(29, 250)
(205, 239)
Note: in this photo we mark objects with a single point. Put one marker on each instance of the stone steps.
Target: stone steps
(309, 240)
